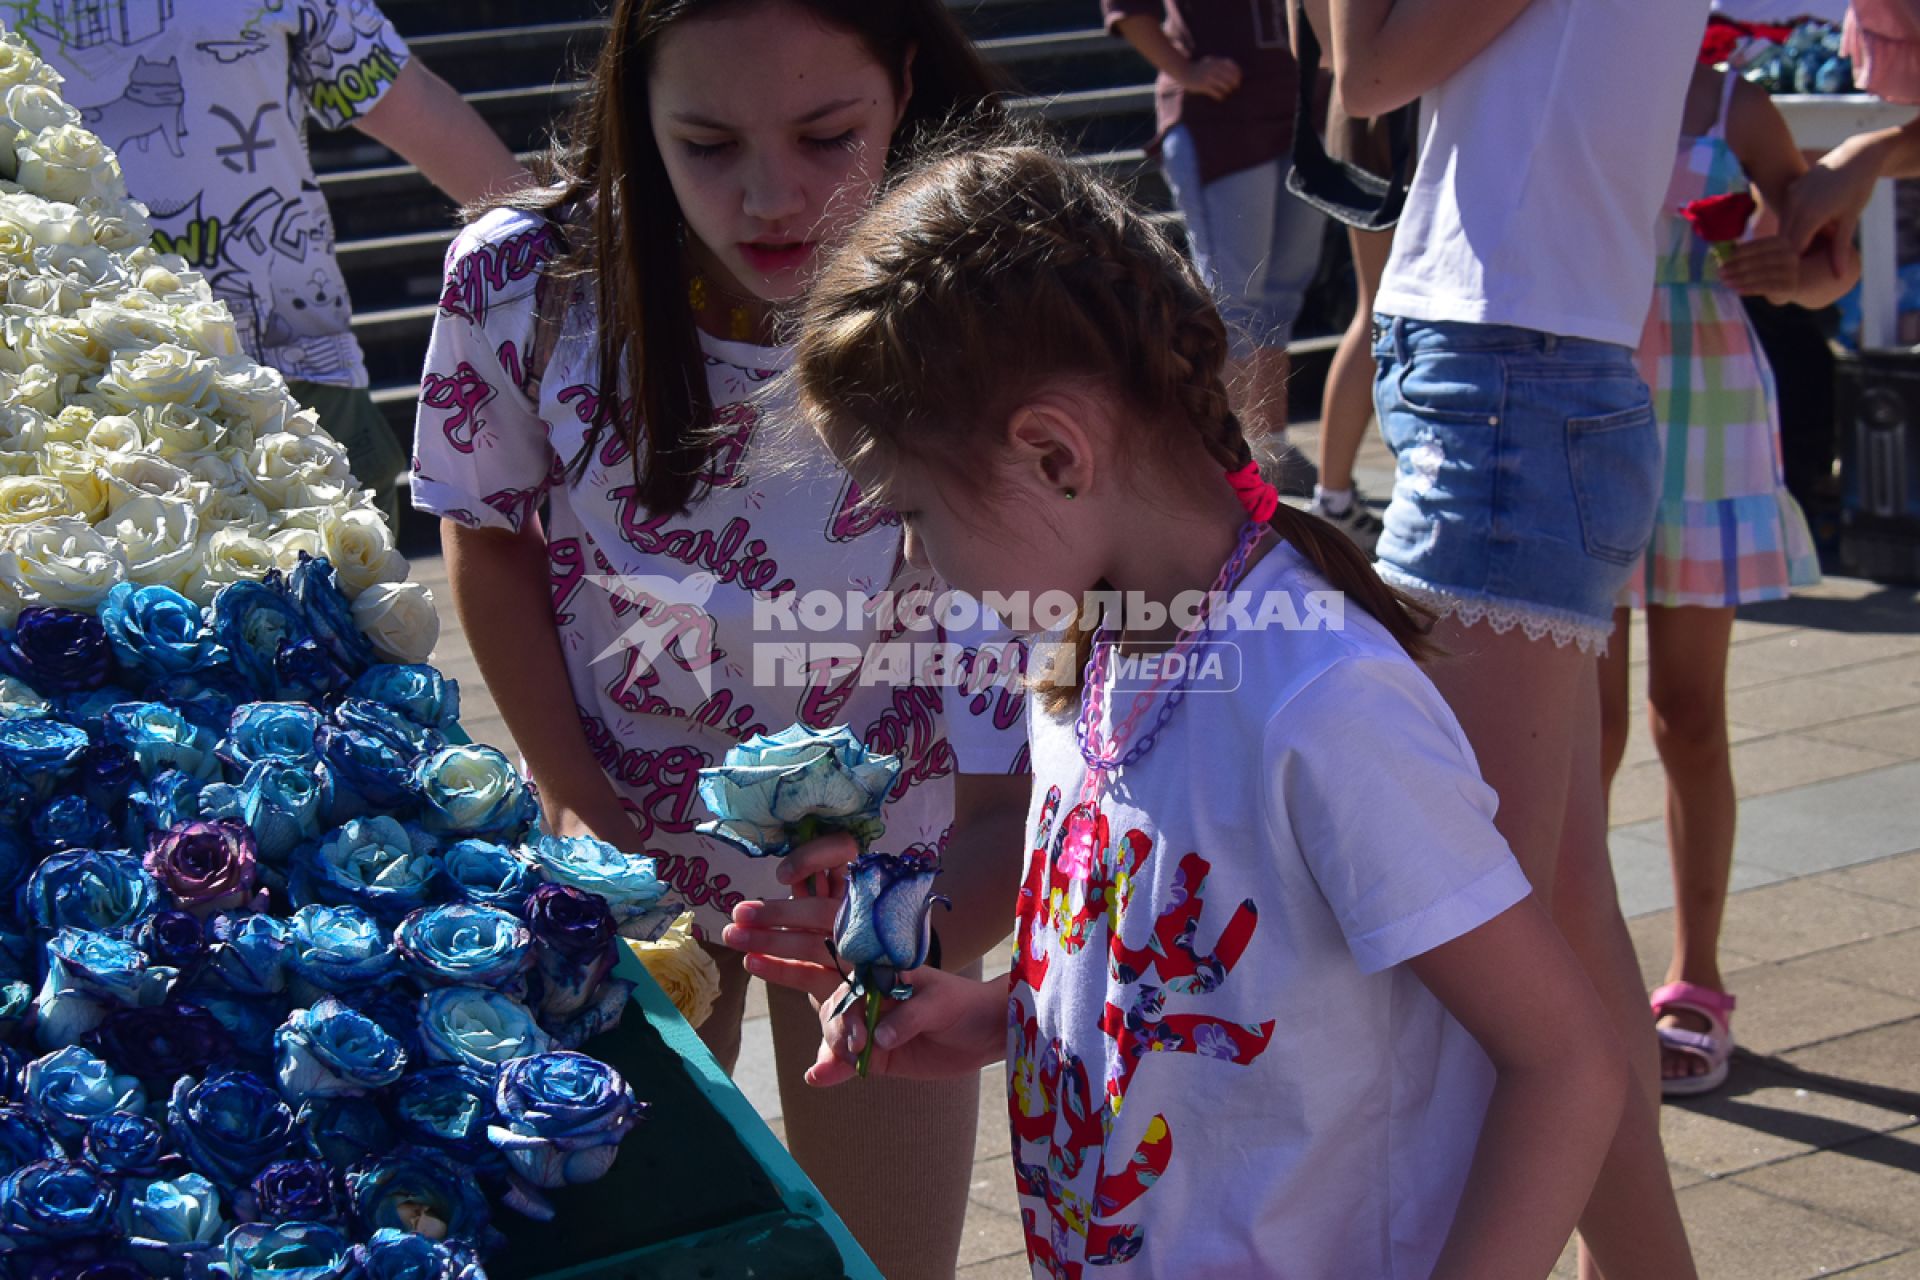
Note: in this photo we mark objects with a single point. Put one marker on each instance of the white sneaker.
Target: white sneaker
(1362, 527)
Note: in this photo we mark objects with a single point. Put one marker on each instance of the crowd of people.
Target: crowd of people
(1327, 977)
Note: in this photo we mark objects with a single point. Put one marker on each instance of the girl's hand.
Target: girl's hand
(951, 1027)
(797, 929)
(1769, 267)
(1214, 78)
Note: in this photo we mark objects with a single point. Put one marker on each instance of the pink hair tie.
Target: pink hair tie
(1259, 498)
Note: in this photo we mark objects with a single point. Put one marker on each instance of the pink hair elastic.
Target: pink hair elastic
(1259, 498)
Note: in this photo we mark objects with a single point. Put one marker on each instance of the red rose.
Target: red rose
(1718, 45)
(1719, 219)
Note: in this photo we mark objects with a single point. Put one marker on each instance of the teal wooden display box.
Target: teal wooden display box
(701, 1190)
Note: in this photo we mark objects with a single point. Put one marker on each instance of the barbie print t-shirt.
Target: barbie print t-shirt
(686, 634)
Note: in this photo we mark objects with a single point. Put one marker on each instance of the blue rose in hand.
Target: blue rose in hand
(488, 874)
(448, 1108)
(369, 773)
(61, 650)
(341, 1129)
(415, 690)
(329, 614)
(474, 791)
(23, 1139)
(124, 1144)
(157, 632)
(331, 1049)
(377, 864)
(163, 1043)
(290, 1251)
(54, 1201)
(90, 974)
(70, 1088)
(41, 753)
(626, 881)
(884, 926)
(171, 1219)
(88, 889)
(464, 945)
(337, 949)
(70, 822)
(251, 621)
(249, 954)
(562, 1117)
(161, 738)
(390, 725)
(271, 730)
(402, 1255)
(230, 1125)
(779, 790)
(420, 1190)
(295, 1191)
(475, 1027)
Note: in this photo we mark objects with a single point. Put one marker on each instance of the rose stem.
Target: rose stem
(873, 1020)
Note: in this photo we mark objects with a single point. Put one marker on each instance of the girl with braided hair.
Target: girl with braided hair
(1269, 940)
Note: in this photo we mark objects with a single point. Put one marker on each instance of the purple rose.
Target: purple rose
(62, 650)
(295, 1191)
(574, 948)
(205, 867)
(174, 938)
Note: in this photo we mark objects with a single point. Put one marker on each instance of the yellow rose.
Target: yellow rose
(160, 537)
(225, 556)
(398, 617)
(166, 374)
(61, 562)
(361, 548)
(27, 499)
(69, 163)
(78, 471)
(683, 969)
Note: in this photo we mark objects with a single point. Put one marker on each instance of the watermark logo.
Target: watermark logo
(1207, 666)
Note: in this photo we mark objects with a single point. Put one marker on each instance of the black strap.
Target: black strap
(1343, 191)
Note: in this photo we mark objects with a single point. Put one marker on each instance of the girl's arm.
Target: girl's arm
(1773, 266)
(1561, 1085)
(1386, 53)
(501, 594)
(1210, 77)
(1831, 196)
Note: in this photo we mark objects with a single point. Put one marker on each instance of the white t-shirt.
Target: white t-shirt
(1543, 163)
(656, 613)
(1228, 964)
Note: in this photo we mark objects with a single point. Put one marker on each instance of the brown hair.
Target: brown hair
(606, 190)
(989, 275)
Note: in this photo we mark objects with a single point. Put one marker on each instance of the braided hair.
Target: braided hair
(986, 276)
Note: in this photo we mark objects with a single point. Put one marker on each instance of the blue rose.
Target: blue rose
(562, 1117)
(369, 773)
(329, 614)
(89, 975)
(416, 690)
(488, 874)
(61, 650)
(173, 938)
(337, 949)
(207, 698)
(295, 1191)
(390, 725)
(89, 889)
(169, 799)
(23, 1139)
(157, 632)
(170, 1219)
(290, 1251)
(249, 953)
(251, 621)
(342, 1129)
(884, 925)
(41, 753)
(395, 1006)
(448, 1108)
(161, 738)
(16, 1002)
(373, 863)
(421, 1190)
(402, 1255)
(108, 776)
(331, 1049)
(276, 730)
(475, 1027)
(308, 672)
(626, 881)
(464, 945)
(162, 1043)
(230, 1125)
(778, 790)
(70, 821)
(286, 804)
(474, 791)
(70, 1088)
(124, 1144)
(53, 1201)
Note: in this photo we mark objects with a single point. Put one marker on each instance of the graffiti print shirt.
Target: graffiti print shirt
(1218, 1061)
(206, 102)
(657, 613)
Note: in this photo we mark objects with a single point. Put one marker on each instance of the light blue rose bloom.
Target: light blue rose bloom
(41, 752)
(18, 701)
(90, 889)
(230, 1125)
(54, 1201)
(329, 614)
(161, 738)
(395, 1191)
(169, 1219)
(330, 1050)
(337, 950)
(488, 874)
(290, 1251)
(421, 693)
(391, 1254)
(277, 730)
(251, 620)
(449, 1108)
(626, 881)
(884, 925)
(70, 1088)
(16, 1002)
(222, 800)
(378, 864)
(475, 1027)
(779, 790)
(89, 975)
(157, 632)
(286, 804)
(249, 953)
(460, 944)
(474, 791)
(562, 1117)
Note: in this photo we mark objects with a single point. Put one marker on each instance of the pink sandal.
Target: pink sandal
(1713, 1046)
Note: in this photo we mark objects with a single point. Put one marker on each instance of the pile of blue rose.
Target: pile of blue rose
(287, 984)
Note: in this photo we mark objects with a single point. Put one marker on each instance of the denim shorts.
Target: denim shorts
(1527, 472)
(1256, 245)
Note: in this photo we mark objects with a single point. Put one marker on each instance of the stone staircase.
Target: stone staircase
(519, 63)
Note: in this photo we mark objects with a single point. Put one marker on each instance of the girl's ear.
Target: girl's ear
(1052, 447)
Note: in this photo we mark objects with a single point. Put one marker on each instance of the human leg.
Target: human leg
(722, 1028)
(1347, 405)
(1616, 718)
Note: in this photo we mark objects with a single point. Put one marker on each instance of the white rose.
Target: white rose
(73, 423)
(16, 247)
(223, 470)
(224, 508)
(181, 433)
(33, 107)
(78, 471)
(61, 562)
(130, 475)
(166, 374)
(21, 428)
(400, 620)
(27, 499)
(295, 471)
(69, 163)
(19, 64)
(44, 222)
(16, 462)
(253, 393)
(207, 326)
(361, 548)
(225, 556)
(43, 389)
(160, 537)
(129, 322)
(66, 345)
(121, 225)
(116, 433)
(290, 544)
(10, 601)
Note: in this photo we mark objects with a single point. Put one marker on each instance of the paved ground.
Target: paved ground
(1806, 1164)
